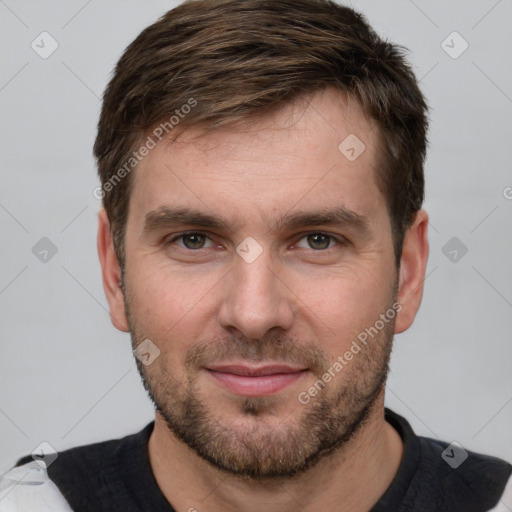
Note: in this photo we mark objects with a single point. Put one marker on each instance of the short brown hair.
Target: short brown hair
(233, 60)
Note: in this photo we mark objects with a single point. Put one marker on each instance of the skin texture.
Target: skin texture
(302, 301)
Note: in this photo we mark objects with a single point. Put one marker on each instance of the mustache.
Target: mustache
(272, 348)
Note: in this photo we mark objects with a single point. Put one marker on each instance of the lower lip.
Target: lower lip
(262, 385)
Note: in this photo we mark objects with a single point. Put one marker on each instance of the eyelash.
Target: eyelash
(338, 239)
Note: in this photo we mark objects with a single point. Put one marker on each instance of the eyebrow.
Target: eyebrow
(167, 216)
(340, 216)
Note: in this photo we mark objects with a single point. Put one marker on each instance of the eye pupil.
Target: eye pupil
(197, 241)
(318, 238)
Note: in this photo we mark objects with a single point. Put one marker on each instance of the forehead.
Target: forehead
(319, 151)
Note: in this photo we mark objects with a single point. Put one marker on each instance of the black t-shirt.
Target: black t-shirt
(433, 476)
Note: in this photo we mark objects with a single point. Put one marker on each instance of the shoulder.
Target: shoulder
(28, 488)
(466, 479)
(436, 475)
(505, 502)
(88, 477)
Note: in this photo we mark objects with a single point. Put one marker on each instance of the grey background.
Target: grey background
(67, 376)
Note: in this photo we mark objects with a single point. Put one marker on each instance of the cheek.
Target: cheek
(341, 306)
(167, 306)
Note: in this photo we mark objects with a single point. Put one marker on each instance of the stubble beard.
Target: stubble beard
(261, 451)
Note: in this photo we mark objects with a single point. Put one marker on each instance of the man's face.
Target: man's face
(249, 315)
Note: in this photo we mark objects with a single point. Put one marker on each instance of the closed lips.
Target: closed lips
(255, 381)
(255, 372)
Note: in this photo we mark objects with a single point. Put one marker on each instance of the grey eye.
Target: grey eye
(319, 241)
(193, 240)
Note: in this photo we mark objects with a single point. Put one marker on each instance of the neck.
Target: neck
(350, 478)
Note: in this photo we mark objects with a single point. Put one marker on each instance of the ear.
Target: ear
(111, 273)
(413, 264)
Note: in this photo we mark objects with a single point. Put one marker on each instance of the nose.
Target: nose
(255, 298)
